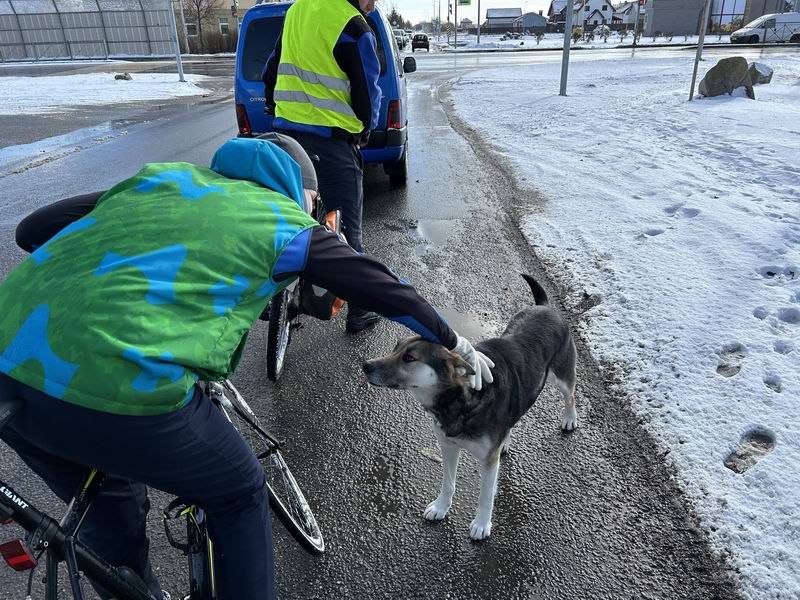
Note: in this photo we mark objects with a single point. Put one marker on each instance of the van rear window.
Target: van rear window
(259, 42)
(381, 50)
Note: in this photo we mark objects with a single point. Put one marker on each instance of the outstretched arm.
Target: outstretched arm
(327, 261)
(42, 224)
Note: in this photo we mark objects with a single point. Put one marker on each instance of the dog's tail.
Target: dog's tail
(539, 295)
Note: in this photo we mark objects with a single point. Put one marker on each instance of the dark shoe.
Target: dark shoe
(359, 320)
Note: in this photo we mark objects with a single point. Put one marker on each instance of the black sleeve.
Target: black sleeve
(42, 224)
(365, 281)
(355, 54)
(270, 74)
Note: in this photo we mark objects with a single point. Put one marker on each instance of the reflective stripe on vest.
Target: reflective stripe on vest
(311, 77)
(321, 103)
(311, 88)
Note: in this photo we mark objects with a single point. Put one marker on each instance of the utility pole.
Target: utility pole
(567, 41)
(636, 22)
(699, 56)
(183, 27)
(455, 18)
(174, 35)
(479, 22)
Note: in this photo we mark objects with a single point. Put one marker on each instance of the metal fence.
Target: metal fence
(69, 29)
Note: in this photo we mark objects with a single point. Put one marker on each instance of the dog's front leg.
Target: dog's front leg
(437, 510)
(481, 526)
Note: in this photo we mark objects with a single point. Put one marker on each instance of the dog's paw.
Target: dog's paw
(479, 529)
(436, 511)
(569, 419)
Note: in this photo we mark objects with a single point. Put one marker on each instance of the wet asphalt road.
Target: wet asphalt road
(593, 514)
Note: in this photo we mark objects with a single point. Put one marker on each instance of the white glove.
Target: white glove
(479, 362)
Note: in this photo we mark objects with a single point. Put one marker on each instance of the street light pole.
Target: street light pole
(567, 41)
(183, 27)
(174, 35)
(479, 22)
(699, 56)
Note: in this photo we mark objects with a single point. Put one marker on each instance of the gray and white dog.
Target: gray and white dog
(535, 347)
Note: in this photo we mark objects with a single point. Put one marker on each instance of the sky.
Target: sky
(421, 10)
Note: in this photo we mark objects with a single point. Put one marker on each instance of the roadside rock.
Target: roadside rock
(726, 76)
(760, 73)
(125, 76)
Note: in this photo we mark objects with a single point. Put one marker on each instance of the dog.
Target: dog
(536, 347)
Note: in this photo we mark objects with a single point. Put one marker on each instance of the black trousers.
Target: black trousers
(194, 453)
(340, 176)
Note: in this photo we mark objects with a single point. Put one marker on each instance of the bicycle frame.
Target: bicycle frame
(58, 542)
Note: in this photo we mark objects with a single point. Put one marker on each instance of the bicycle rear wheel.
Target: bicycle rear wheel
(285, 496)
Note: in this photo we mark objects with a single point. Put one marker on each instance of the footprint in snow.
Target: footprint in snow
(789, 315)
(731, 358)
(680, 210)
(753, 447)
(783, 346)
(773, 382)
(777, 273)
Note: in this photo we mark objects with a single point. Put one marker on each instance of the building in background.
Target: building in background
(500, 19)
(213, 25)
(531, 21)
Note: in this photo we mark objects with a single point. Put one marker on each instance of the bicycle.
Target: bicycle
(58, 540)
(297, 299)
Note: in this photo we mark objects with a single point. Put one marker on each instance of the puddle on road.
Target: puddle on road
(472, 327)
(431, 232)
(14, 154)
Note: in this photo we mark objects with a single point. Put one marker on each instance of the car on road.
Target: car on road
(420, 41)
(400, 38)
(388, 142)
(783, 27)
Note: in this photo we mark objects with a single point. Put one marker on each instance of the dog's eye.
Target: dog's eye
(408, 358)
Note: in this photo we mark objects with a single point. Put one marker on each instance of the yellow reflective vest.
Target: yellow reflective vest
(311, 88)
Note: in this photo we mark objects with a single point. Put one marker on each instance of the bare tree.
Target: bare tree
(201, 11)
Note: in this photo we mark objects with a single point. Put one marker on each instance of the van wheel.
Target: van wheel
(398, 171)
(754, 39)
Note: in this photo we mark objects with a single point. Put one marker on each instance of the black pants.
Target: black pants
(340, 175)
(194, 453)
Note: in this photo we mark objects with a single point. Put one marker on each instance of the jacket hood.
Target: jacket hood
(262, 162)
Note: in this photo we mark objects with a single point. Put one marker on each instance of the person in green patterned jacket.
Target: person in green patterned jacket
(132, 295)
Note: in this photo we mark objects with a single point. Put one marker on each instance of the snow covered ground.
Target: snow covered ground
(469, 43)
(29, 95)
(676, 225)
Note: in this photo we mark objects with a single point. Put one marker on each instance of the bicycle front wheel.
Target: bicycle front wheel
(285, 496)
(277, 334)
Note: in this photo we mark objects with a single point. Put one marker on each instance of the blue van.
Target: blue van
(388, 143)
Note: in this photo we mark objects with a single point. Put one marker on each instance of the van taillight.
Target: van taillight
(17, 555)
(243, 120)
(393, 115)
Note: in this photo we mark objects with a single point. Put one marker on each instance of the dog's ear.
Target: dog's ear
(461, 366)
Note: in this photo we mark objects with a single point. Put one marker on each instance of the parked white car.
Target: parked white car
(783, 27)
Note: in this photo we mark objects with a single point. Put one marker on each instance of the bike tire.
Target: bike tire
(277, 334)
(285, 496)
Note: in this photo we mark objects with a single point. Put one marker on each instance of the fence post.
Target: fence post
(146, 29)
(63, 31)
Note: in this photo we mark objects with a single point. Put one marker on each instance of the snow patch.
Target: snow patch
(684, 218)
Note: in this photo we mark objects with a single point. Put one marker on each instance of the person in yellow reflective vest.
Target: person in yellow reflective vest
(321, 83)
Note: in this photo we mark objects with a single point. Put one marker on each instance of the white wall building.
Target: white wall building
(593, 12)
